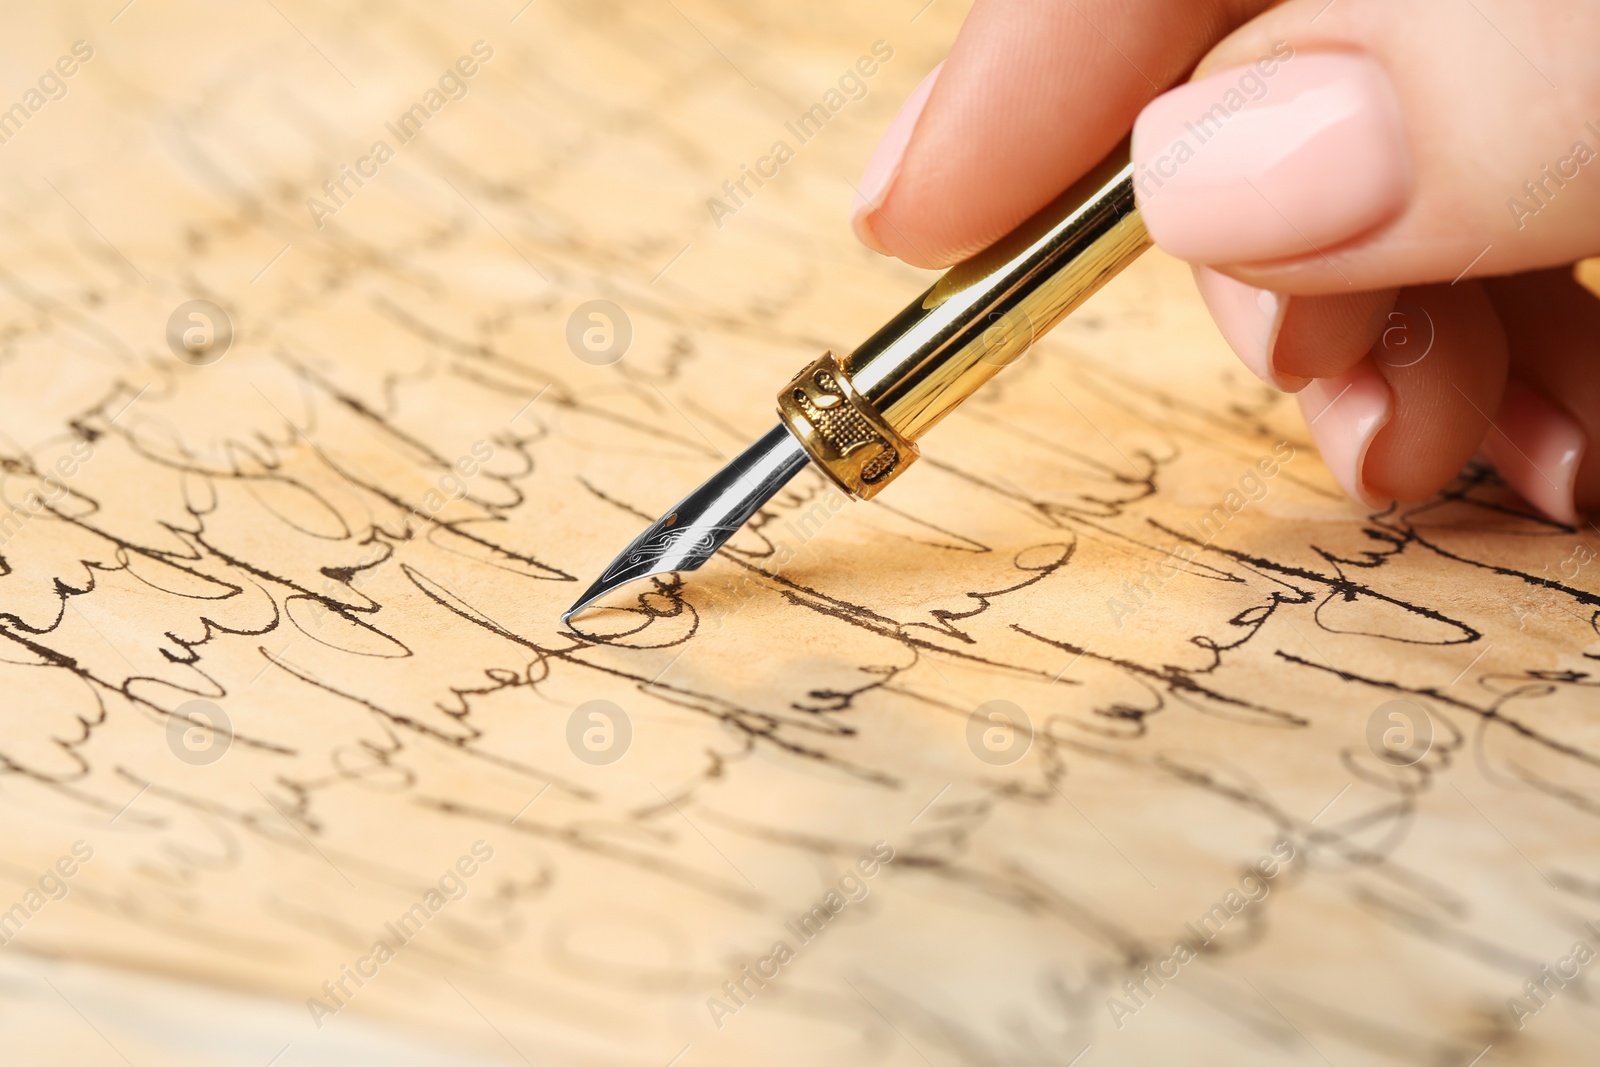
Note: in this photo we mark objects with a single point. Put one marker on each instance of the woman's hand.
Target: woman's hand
(1382, 203)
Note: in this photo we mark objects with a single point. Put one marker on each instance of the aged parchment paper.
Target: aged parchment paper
(1069, 749)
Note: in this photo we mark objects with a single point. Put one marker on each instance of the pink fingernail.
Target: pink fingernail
(884, 166)
(1249, 319)
(1282, 158)
(1537, 448)
(1345, 415)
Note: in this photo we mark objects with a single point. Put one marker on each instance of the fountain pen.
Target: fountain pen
(858, 417)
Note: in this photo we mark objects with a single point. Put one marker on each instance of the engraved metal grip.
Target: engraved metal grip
(840, 429)
(858, 415)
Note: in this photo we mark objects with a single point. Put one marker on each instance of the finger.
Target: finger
(1399, 428)
(1033, 94)
(1288, 340)
(1551, 412)
(1368, 144)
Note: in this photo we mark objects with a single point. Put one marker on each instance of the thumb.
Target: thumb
(1364, 144)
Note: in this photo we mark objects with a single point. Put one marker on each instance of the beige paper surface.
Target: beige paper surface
(1113, 642)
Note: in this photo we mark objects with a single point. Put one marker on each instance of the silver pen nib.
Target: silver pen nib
(688, 535)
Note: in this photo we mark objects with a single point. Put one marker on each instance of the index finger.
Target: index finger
(1033, 94)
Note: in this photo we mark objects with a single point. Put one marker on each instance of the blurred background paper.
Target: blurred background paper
(344, 344)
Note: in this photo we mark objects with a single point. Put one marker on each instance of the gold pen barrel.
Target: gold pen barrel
(859, 417)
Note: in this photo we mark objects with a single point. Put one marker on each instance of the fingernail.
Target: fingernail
(1249, 319)
(1277, 159)
(1537, 448)
(884, 166)
(1345, 415)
